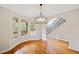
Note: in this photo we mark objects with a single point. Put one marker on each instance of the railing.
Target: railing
(54, 23)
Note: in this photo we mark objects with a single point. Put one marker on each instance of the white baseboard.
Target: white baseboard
(73, 48)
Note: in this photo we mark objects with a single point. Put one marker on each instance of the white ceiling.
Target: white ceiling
(32, 10)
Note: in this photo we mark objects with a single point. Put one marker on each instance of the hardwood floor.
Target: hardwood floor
(59, 47)
(51, 46)
(30, 47)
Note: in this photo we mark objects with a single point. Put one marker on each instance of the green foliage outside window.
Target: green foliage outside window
(24, 26)
(15, 24)
(32, 25)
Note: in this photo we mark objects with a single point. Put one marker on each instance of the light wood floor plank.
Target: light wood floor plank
(51, 46)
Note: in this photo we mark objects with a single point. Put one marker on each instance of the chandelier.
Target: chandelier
(41, 19)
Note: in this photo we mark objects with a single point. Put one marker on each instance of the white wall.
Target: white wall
(6, 31)
(68, 31)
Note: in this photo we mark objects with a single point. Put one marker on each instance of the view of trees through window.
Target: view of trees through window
(15, 27)
(24, 27)
(21, 27)
(32, 26)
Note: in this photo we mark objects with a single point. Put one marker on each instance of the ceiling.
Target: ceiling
(32, 10)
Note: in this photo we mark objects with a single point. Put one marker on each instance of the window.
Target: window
(23, 27)
(15, 27)
(32, 28)
(20, 27)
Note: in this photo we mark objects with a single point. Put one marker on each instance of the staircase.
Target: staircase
(54, 23)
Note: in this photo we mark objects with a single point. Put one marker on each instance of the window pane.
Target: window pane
(24, 27)
(15, 27)
(32, 26)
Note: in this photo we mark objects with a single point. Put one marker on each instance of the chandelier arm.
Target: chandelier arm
(41, 18)
(41, 10)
